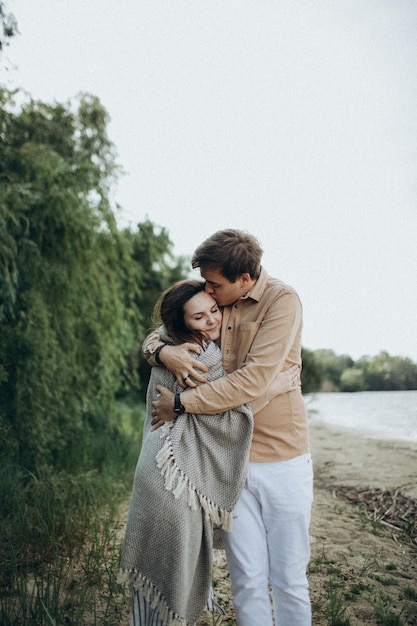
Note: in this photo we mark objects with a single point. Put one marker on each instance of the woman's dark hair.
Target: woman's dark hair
(233, 252)
(169, 310)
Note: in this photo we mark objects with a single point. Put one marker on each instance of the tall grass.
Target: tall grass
(59, 545)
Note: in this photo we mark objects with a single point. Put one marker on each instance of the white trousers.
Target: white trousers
(269, 543)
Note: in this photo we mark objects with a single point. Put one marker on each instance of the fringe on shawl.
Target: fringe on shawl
(176, 482)
(152, 596)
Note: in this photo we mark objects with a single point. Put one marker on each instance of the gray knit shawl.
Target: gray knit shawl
(188, 477)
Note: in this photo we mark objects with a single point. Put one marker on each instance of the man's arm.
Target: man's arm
(163, 407)
(278, 339)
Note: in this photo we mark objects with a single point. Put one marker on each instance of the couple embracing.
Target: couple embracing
(225, 445)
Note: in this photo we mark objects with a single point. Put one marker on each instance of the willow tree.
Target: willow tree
(8, 26)
(64, 324)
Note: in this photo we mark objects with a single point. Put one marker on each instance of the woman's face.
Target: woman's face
(202, 313)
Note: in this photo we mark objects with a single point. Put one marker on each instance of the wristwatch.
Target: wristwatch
(157, 353)
(179, 408)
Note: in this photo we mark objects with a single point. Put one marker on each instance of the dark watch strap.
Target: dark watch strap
(179, 408)
(157, 353)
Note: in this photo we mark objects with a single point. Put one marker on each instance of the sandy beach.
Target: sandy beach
(363, 567)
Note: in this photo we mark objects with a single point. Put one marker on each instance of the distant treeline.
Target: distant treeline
(326, 371)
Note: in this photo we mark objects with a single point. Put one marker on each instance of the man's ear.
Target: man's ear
(245, 279)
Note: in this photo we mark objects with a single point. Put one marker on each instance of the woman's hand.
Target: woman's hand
(286, 381)
(289, 380)
(180, 362)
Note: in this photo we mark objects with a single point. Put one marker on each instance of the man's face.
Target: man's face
(221, 289)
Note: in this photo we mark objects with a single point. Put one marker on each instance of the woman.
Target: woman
(188, 478)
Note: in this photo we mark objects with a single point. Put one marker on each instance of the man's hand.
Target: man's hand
(179, 361)
(163, 408)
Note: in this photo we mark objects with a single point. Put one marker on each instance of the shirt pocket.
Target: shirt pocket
(247, 333)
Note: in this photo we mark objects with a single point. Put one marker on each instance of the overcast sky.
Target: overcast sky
(293, 120)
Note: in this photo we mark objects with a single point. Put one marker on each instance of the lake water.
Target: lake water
(387, 413)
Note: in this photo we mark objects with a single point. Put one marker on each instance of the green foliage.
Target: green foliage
(75, 292)
(8, 26)
(389, 373)
(151, 249)
(60, 550)
(352, 379)
(150, 268)
(62, 324)
(312, 372)
(60, 546)
(380, 373)
(332, 367)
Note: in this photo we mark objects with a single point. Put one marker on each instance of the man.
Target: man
(261, 335)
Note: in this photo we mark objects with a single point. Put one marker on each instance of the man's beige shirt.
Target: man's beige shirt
(261, 335)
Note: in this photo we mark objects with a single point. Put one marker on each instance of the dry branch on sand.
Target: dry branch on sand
(388, 507)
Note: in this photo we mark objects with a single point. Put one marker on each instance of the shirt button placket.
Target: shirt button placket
(229, 335)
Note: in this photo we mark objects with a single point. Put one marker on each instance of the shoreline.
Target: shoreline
(344, 456)
(314, 421)
(362, 553)
(388, 415)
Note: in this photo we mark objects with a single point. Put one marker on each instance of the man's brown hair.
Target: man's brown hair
(231, 251)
